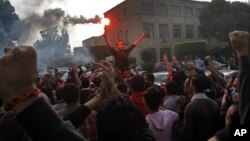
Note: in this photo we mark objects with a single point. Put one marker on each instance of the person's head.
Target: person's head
(120, 44)
(47, 78)
(153, 98)
(58, 76)
(172, 88)
(59, 84)
(232, 118)
(119, 119)
(137, 84)
(97, 82)
(70, 93)
(126, 73)
(85, 82)
(199, 83)
(149, 78)
(122, 87)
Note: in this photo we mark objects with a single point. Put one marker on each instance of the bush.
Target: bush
(190, 48)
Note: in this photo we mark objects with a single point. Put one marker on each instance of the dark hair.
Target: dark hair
(137, 83)
(172, 88)
(85, 82)
(122, 87)
(150, 77)
(153, 98)
(97, 81)
(120, 40)
(119, 119)
(70, 93)
(200, 82)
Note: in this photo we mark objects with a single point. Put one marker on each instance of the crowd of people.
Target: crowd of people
(113, 104)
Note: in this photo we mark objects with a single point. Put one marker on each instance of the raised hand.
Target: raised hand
(18, 72)
(107, 74)
(240, 41)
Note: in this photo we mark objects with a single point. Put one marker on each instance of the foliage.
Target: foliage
(52, 47)
(221, 17)
(8, 18)
(148, 55)
(132, 60)
(149, 67)
(189, 48)
(100, 52)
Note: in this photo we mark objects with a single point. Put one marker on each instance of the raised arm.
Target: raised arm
(106, 40)
(240, 41)
(138, 40)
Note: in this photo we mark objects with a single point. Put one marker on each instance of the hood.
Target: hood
(160, 120)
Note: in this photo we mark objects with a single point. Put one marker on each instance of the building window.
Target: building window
(163, 31)
(119, 35)
(147, 7)
(125, 12)
(177, 31)
(149, 28)
(161, 9)
(197, 11)
(176, 10)
(188, 11)
(189, 31)
(118, 15)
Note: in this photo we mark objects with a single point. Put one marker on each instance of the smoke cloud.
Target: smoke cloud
(34, 23)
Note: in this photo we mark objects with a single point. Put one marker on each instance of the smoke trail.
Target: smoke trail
(31, 26)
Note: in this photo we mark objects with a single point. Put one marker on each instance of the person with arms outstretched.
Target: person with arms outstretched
(120, 53)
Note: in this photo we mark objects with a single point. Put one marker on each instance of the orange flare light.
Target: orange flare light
(105, 21)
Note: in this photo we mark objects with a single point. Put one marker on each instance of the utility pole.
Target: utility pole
(156, 33)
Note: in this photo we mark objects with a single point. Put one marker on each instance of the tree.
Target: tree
(8, 18)
(148, 57)
(221, 17)
(189, 49)
(52, 47)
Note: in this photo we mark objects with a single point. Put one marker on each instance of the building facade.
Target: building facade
(165, 21)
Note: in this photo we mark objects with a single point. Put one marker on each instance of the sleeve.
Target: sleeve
(130, 48)
(42, 124)
(244, 90)
(78, 116)
(112, 50)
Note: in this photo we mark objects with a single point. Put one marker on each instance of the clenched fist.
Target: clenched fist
(240, 41)
(18, 72)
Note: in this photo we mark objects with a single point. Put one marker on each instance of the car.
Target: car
(229, 73)
(160, 77)
(219, 65)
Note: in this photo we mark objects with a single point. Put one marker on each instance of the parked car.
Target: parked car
(160, 77)
(219, 65)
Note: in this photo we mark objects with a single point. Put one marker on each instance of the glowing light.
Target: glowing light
(105, 21)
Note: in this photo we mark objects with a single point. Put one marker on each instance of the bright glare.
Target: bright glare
(105, 21)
